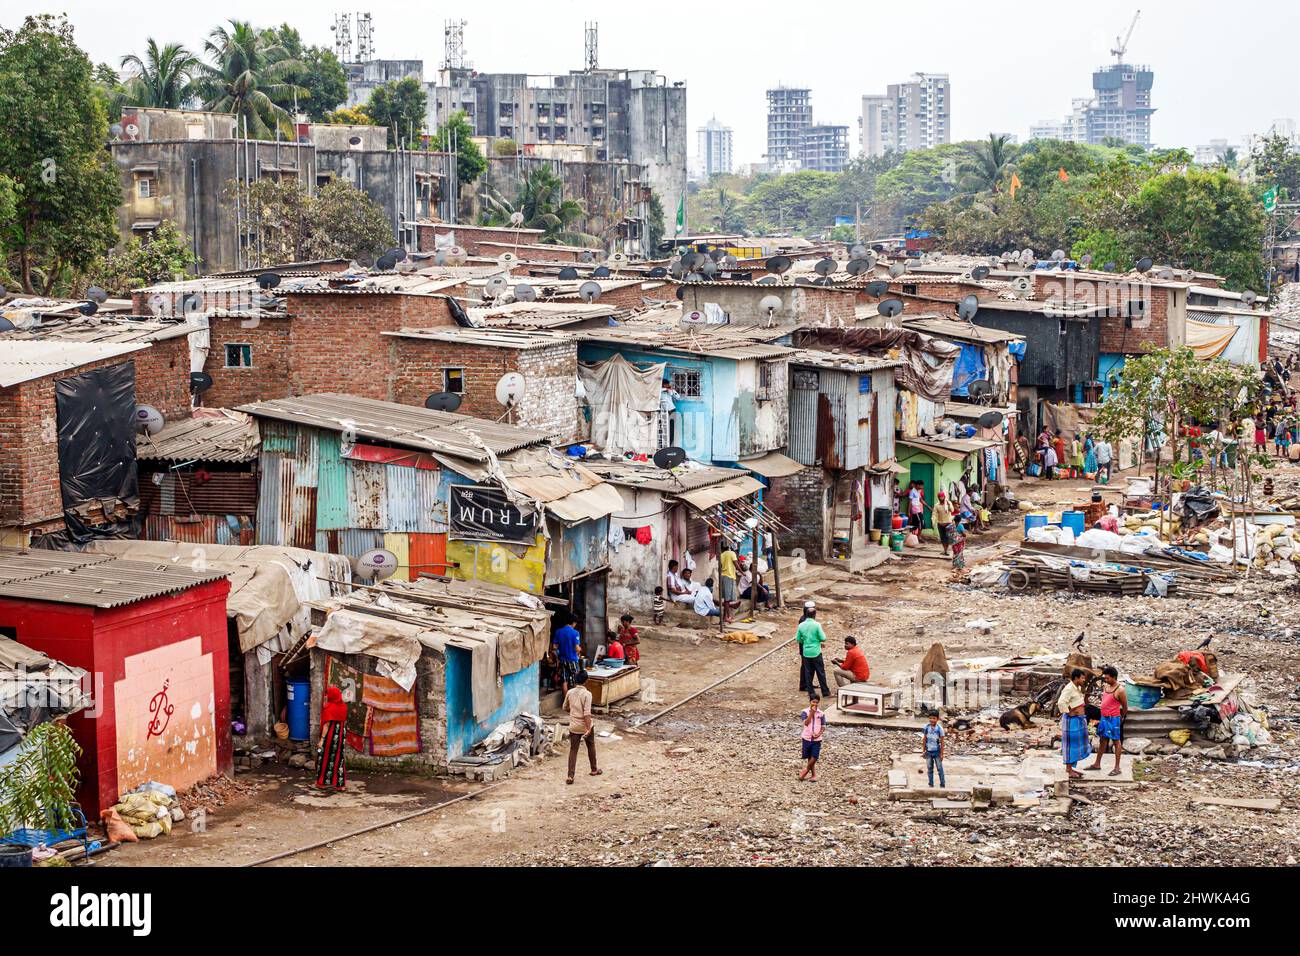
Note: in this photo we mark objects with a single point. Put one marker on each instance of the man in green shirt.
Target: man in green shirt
(811, 637)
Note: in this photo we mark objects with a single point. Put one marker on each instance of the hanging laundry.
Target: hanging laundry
(617, 537)
(643, 535)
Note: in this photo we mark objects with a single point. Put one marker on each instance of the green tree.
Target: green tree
(66, 195)
(291, 225)
(112, 92)
(654, 226)
(505, 148)
(248, 76)
(540, 204)
(350, 116)
(318, 80)
(921, 178)
(728, 218)
(987, 163)
(787, 203)
(470, 163)
(399, 105)
(140, 262)
(163, 78)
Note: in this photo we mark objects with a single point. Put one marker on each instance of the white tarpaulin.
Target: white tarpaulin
(624, 400)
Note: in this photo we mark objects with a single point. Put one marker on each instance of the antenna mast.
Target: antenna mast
(592, 51)
(342, 30)
(453, 57)
(365, 38)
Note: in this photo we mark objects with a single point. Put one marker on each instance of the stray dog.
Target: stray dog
(1022, 716)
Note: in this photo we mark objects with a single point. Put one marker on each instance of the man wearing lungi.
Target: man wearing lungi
(1074, 725)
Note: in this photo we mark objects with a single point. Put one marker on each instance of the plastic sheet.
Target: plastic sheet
(96, 415)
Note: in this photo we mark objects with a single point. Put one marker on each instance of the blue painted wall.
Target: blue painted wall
(707, 427)
(519, 696)
(1108, 363)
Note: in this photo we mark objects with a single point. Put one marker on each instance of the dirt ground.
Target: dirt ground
(715, 781)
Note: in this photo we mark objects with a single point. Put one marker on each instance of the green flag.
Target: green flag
(1270, 200)
(681, 216)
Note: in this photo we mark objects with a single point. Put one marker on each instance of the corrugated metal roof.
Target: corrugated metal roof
(721, 341)
(965, 331)
(27, 361)
(632, 474)
(18, 565)
(521, 339)
(230, 437)
(97, 580)
(459, 436)
(842, 361)
(95, 329)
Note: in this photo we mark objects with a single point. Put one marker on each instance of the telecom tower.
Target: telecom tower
(365, 38)
(342, 30)
(592, 57)
(453, 57)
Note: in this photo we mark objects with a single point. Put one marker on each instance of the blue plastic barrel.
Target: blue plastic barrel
(1074, 521)
(1034, 521)
(299, 709)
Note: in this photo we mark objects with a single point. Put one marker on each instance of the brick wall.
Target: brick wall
(469, 237)
(808, 305)
(948, 291)
(268, 377)
(162, 376)
(494, 249)
(799, 500)
(1148, 334)
(29, 468)
(550, 372)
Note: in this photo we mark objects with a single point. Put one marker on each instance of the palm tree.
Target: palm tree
(249, 68)
(164, 78)
(540, 204)
(987, 162)
(728, 217)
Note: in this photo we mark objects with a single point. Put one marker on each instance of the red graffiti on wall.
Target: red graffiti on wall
(161, 710)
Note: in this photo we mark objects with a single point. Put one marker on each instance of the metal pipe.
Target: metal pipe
(736, 673)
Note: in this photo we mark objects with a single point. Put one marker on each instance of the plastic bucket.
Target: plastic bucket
(896, 541)
(1035, 520)
(12, 855)
(1074, 520)
(299, 706)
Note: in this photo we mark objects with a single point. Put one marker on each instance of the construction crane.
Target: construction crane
(1121, 45)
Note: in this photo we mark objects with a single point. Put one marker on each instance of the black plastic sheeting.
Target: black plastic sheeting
(1199, 506)
(96, 414)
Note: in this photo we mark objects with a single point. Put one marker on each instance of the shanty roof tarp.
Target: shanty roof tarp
(773, 465)
(269, 586)
(541, 477)
(705, 498)
(928, 363)
(624, 400)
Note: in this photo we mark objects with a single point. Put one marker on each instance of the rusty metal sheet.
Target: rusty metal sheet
(412, 500)
(367, 494)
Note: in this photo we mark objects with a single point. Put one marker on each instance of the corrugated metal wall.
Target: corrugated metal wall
(803, 415)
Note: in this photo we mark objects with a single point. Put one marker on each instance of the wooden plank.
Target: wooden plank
(1267, 804)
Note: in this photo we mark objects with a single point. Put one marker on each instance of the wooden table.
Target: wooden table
(869, 699)
(609, 685)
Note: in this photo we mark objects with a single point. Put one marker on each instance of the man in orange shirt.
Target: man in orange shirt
(852, 667)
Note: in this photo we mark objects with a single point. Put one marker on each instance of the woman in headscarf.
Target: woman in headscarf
(331, 772)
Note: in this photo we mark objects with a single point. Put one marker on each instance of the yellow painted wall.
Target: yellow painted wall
(497, 564)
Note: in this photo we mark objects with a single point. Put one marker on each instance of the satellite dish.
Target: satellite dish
(770, 303)
(1143, 264)
(6, 325)
(716, 254)
(1249, 297)
(440, 257)
(825, 267)
(658, 272)
(516, 219)
(1058, 255)
(709, 269)
(692, 261)
(200, 382)
(354, 140)
(859, 251)
(94, 294)
(980, 273)
(495, 286)
(890, 308)
(131, 129)
(268, 280)
(681, 293)
(1109, 267)
(376, 564)
(508, 260)
(568, 273)
(669, 458)
(857, 267)
(768, 280)
(1086, 259)
(779, 264)
(877, 288)
(148, 419)
(510, 389)
(618, 260)
(729, 262)
(386, 263)
(967, 308)
(897, 269)
(989, 420)
(589, 291)
(587, 256)
(676, 270)
(1022, 286)
(525, 293)
(116, 129)
(1165, 274)
(88, 308)
(399, 255)
(456, 256)
(442, 402)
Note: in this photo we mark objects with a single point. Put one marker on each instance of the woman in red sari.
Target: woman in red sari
(331, 772)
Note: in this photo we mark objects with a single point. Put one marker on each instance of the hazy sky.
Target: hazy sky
(1010, 66)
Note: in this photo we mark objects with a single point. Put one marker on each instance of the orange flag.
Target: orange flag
(1063, 176)
(1015, 184)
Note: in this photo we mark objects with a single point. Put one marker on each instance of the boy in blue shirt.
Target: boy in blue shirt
(567, 644)
(933, 748)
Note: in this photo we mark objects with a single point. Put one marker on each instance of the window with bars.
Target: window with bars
(687, 382)
(239, 355)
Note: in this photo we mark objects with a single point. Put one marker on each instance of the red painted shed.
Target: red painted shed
(153, 638)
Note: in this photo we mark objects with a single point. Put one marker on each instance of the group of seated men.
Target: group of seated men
(740, 582)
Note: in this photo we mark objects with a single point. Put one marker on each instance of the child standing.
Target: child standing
(629, 638)
(814, 724)
(657, 608)
(932, 747)
(959, 547)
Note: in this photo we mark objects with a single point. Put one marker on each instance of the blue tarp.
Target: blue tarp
(970, 367)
